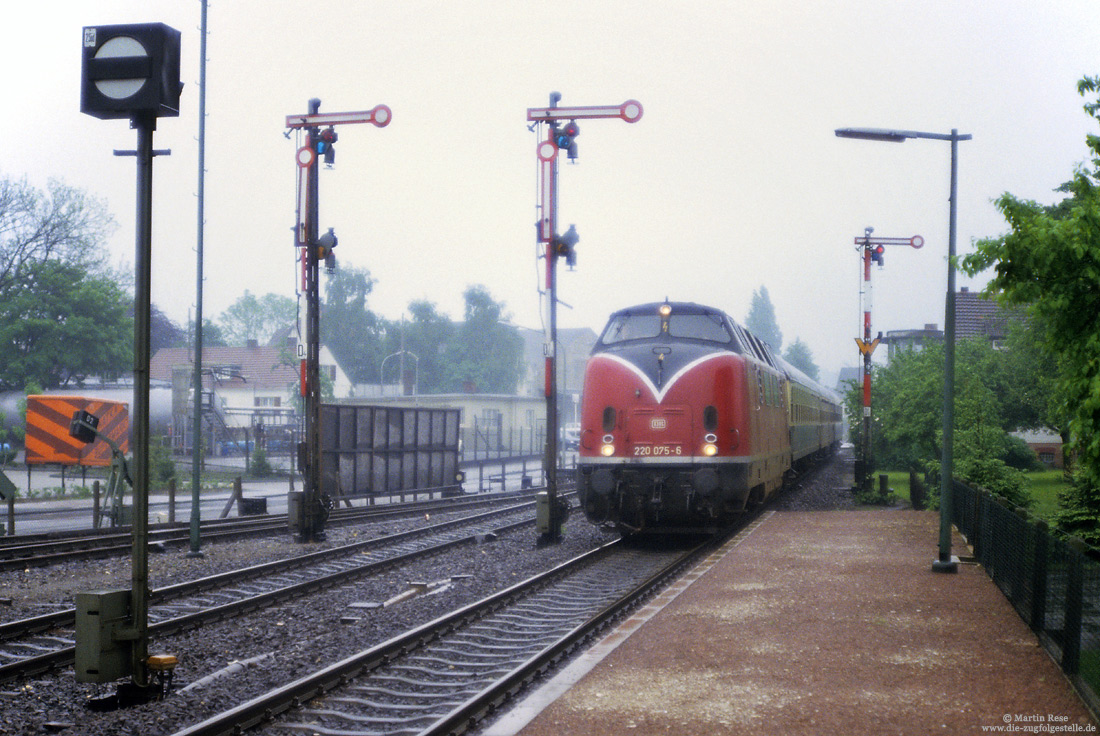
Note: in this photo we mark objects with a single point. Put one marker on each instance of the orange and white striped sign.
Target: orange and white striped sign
(48, 440)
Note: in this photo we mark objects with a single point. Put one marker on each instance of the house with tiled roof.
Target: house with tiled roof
(976, 315)
(243, 388)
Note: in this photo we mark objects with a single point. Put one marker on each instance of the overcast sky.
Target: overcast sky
(732, 180)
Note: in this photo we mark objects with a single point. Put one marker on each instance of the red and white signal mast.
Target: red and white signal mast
(872, 250)
(561, 136)
(308, 520)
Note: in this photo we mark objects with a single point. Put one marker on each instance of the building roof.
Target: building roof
(258, 366)
(979, 316)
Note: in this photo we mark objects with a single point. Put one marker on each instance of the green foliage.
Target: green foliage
(760, 320)
(907, 405)
(61, 325)
(60, 225)
(486, 353)
(257, 318)
(1017, 454)
(261, 466)
(1050, 260)
(801, 357)
(348, 328)
(161, 467)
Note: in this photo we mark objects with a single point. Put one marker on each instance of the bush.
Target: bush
(161, 466)
(1018, 455)
(261, 468)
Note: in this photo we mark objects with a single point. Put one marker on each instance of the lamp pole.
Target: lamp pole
(944, 562)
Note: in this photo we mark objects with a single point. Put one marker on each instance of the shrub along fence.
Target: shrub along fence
(1053, 581)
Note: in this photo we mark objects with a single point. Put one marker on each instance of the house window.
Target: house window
(268, 401)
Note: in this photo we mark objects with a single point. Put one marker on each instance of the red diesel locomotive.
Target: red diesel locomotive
(686, 418)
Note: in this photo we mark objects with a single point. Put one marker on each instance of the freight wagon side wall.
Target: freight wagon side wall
(379, 450)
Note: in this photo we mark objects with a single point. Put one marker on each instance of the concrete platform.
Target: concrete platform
(826, 622)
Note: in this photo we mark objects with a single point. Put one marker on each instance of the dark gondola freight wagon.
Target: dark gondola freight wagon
(372, 451)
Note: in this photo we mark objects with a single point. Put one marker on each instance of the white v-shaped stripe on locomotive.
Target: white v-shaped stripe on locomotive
(659, 394)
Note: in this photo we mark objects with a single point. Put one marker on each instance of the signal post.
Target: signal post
(309, 511)
(559, 137)
(872, 251)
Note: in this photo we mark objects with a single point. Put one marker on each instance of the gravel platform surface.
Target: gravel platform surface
(826, 622)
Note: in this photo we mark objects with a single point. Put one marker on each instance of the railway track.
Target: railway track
(44, 643)
(43, 551)
(446, 676)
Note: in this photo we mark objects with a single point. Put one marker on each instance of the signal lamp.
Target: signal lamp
(564, 139)
(876, 254)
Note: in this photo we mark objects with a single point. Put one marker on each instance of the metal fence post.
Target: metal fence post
(95, 505)
(1039, 575)
(171, 500)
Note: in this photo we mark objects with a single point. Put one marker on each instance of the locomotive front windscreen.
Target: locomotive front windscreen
(708, 327)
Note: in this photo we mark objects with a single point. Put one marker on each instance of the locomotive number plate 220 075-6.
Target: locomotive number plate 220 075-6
(657, 450)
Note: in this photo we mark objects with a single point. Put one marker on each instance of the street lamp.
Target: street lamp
(945, 562)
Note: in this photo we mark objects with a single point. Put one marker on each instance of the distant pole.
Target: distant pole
(196, 431)
(312, 529)
(145, 124)
(946, 563)
(556, 244)
(867, 466)
(313, 250)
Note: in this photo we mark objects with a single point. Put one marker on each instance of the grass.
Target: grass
(1045, 486)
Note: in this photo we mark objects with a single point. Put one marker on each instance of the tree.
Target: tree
(801, 357)
(1050, 259)
(907, 406)
(62, 224)
(486, 355)
(348, 328)
(761, 320)
(62, 324)
(257, 318)
(163, 332)
(429, 336)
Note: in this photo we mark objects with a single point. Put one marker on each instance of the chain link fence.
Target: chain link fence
(1052, 581)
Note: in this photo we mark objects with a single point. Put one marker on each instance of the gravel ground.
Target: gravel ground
(292, 639)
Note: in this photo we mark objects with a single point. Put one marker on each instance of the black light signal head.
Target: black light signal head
(876, 254)
(325, 139)
(565, 245)
(565, 139)
(83, 427)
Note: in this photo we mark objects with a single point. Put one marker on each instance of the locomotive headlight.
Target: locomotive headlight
(710, 449)
(607, 450)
